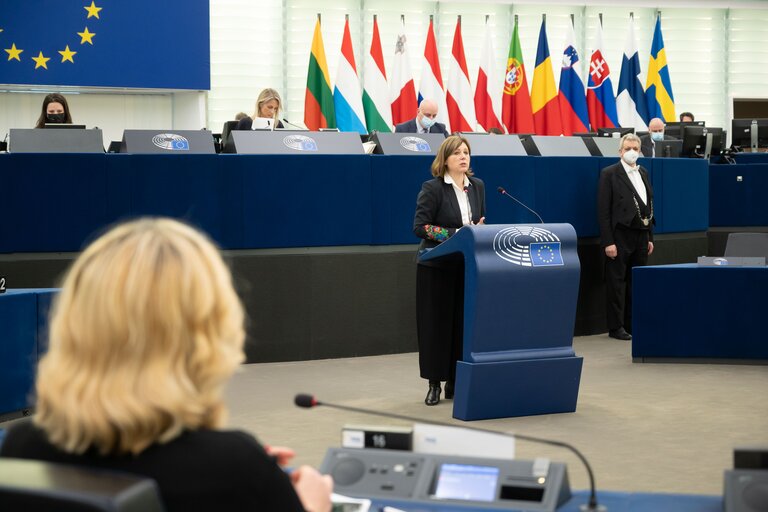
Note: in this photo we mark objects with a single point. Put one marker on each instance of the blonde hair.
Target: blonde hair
(146, 331)
(449, 145)
(265, 96)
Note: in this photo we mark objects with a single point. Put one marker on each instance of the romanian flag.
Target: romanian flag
(544, 102)
(318, 99)
(516, 113)
(658, 88)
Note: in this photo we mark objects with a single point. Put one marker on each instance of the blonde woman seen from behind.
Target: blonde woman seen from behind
(144, 335)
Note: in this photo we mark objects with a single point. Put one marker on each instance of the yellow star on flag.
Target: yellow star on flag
(41, 61)
(13, 52)
(93, 10)
(86, 36)
(66, 55)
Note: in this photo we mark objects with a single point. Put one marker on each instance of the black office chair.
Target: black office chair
(747, 245)
(35, 486)
(227, 144)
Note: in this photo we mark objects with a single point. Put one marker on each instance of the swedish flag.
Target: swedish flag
(134, 44)
(658, 87)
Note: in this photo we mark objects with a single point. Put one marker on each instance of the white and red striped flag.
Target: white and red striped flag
(378, 111)
(431, 85)
(458, 98)
(403, 91)
(487, 100)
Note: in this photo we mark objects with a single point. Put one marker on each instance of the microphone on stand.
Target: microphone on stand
(504, 192)
(469, 206)
(308, 401)
(293, 124)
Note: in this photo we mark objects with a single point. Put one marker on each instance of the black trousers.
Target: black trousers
(632, 248)
(439, 319)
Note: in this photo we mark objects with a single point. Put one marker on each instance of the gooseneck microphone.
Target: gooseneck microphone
(284, 120)
(308, 401)
(469, 205)
(505, 193)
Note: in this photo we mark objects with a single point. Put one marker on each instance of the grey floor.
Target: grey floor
(643, 427)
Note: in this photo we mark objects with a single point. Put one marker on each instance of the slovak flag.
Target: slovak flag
(601, 103)
(573, 102)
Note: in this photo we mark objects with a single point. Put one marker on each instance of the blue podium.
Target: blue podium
(521, 285)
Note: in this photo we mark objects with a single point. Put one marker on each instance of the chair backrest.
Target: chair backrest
(226, 143)
(747, 244)
(36, 486)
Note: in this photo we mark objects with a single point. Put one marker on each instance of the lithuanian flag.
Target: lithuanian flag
(318, 100)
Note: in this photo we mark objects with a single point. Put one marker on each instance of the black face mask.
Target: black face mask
(55, 118)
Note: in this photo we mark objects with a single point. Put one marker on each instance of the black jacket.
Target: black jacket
(615, 203)
(437, 206)
(410, 127)
(246, 123)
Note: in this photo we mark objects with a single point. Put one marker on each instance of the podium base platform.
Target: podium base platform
(507, 389)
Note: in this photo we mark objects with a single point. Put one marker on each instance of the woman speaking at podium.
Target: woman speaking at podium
(144, 335)
(451, 199)
(268, 106)
(55, 111)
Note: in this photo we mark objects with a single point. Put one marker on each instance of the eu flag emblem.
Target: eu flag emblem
(544, 254)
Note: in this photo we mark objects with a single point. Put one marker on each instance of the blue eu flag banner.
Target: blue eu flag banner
(545, 254)
(105, 43)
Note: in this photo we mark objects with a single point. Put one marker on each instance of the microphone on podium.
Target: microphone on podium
(505, 193)
(308, 401)
(284, 120)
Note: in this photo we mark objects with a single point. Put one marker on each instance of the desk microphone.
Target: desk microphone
(504, 193)
(469, 205)
(307, 401)
(293, 124)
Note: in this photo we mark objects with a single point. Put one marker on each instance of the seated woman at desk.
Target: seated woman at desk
(145, 333)
(55, 111)
(268, 106)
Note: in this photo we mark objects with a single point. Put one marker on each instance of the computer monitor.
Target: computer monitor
(65, 126)
(701, 142)
(610, 132)
(675, 129)
(745, 136)
(669, 148)
(263, 123)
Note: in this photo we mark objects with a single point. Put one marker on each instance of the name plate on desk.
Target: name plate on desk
(407, 143)
(172, 142)
(286, 142)
(34, 140)
(484, 144)
(731, 261)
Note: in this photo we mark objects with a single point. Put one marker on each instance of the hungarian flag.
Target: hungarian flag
(601, 103)
(347, 99)
(431, 85)
(404, 103)
(318, 99)
(378, 112)
(516, 113)
(461, 109)
(486, 109)
(544, 102)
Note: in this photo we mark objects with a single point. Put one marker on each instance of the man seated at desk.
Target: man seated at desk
(655, 134)
(424, 122)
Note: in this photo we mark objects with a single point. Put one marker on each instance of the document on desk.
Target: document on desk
(343, 503)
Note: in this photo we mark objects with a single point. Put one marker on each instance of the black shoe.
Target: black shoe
(620, 334)
(449, 388)
(433, 395)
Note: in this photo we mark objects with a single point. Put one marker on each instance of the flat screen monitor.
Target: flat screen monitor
(669, 148)
(614, 132)
(742, 136)
(675, 129)
(696, 141)
(65, 126)
(467, 482)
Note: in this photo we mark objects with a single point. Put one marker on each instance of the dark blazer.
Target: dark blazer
(246, 123)
(646, 144)
(410, 127)
(437, 205)
(615, 204)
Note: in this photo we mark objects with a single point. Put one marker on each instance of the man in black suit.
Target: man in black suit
(625, 215)
(424, 122)
(655, 134)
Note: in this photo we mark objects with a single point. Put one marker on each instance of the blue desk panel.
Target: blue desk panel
(57, 202)
(686, 311)
(739, 195)
(614, 501)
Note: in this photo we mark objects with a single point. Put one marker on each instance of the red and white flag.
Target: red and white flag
(403, 90)
(431, 85)
(487, 100)
(458, 98)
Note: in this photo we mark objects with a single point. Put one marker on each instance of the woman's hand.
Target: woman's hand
(313, 489)
(481, 221)
(282, 454)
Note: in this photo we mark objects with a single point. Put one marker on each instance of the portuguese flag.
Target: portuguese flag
(318, 100)
(516, 110)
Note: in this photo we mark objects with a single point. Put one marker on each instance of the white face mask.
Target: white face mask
(630, 157)
(427, 122)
